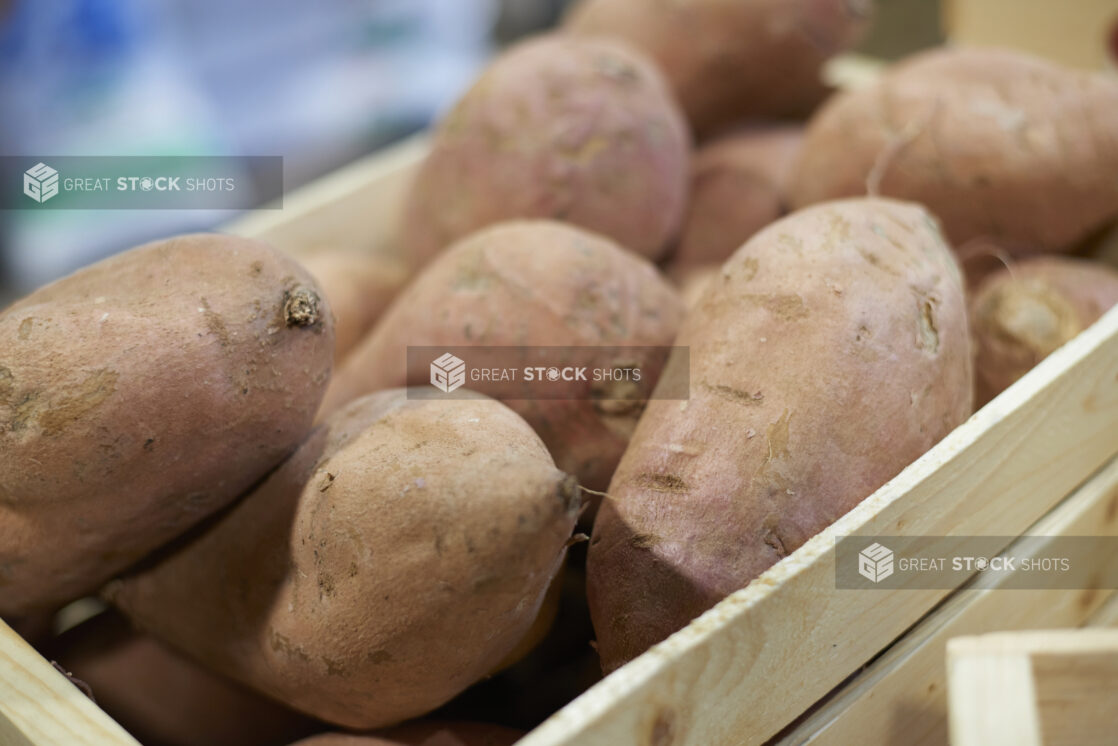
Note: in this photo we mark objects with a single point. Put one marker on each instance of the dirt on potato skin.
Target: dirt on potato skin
(827, 354)
(419, 568)
(526, 284)
(583, 131)
(141, 394)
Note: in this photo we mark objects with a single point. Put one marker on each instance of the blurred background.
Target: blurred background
(319, 83)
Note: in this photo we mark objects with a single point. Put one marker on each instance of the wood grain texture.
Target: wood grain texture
(901, 698)
(992, 699)
(1106, 615)
(1044, 687)
(40, 707)
(751, 665)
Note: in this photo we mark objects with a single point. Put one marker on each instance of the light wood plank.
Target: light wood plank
(355, 207)
(1071, 678)
(993, 702)
(40, 707)
(1075, 675)
(1107, 614)
(748, 667)
(900, 699)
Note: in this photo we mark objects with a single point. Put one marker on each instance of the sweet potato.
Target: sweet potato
(532, 283)
(830, 352)
(359, 287)
(161, 697)
(141, 394)
(739, 184)
(424, 733)
(580, 130)
(1021, 314)
(692, 281)
(728, 60)
(997, 144)
(396, 558)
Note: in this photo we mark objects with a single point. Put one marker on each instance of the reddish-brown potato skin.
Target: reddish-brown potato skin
(141, 394)
(579, 130)
(739, 184)
(530, 283)
(1022, 314)
(729, 60)
(830, 353)
(424, 733)
(397, 557)
(161, 697)
(999, 145)
(359, 286)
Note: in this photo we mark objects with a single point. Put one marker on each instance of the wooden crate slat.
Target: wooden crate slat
(1106, 615)
(355, 207)
(1046, 687)
(901, 698)
(40, 707)
(748, 667)
(997, 704)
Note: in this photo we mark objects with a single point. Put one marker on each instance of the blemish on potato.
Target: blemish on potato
(326, 584)
(785, 307)
(729, 393)
(282, 644)
(877, 262)
(25, 410)
(928, 334)
(25, 328)
(662, 483)
(777, 436)
(300, 307)
(644, 541)
(748, 268)
(215, 324)
(335, 668)
(682, 449)
(773, 540)
(380, 656)
(91, 393)
(790, 242)
(617, 70)
(7, 385)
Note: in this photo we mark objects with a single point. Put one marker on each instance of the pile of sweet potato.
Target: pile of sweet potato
(220, 443)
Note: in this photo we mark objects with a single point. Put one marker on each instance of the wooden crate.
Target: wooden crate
(789, 658)
(1033, 688)
(1081, 37)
